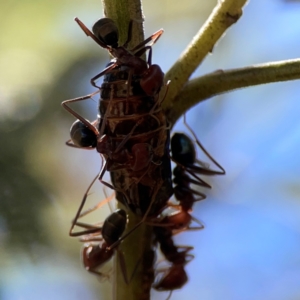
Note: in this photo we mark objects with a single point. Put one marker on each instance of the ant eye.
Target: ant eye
(106, 31)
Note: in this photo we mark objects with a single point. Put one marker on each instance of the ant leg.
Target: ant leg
(142, 51)
(100, 274)
(180, 194)
(170, 294)
(188, 228)
(100, 176)
(65, 105)
(90, 34)
(192, 170)
(90, 231)
(69, 143)
(186, 249)
(205, 165)
(89, 228)
(153, 39)
(105, 71)
(201, 226)
(97, 206)
(77, 216)
(182, 249)
(199, 181)
(70, 110)
(94, 228)
(222, 172)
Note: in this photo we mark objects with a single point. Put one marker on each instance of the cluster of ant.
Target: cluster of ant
(133, 136)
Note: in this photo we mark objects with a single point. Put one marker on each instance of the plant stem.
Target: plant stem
(221, 81)
(122, 11)
(182, 95)
(137, 247)
(226, 13)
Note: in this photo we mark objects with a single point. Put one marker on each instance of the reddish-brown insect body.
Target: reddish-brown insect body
(132, 134)
(136, 144)
(105, 33)
(187, 170)
(133, 131)
(173, 278)
(95, 254)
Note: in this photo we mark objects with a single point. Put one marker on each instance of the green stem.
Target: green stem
(221, 81)
(226, 13)
(136, 248)
(181, 96)
(122, 11)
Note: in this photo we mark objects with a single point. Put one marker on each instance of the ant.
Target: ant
(94, 255)
(105, 34)
(185, 173)
(188, 167)
(184, 155)
(175, 276)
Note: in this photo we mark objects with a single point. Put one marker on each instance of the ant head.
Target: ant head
(82, 136)
(183, 149)
(107, 32)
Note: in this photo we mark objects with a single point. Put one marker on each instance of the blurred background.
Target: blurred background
(250, 248)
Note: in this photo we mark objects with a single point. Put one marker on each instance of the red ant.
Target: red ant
(184, 155)
(105, 34)
(94, 255)
(185, 173)
(175, 276)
